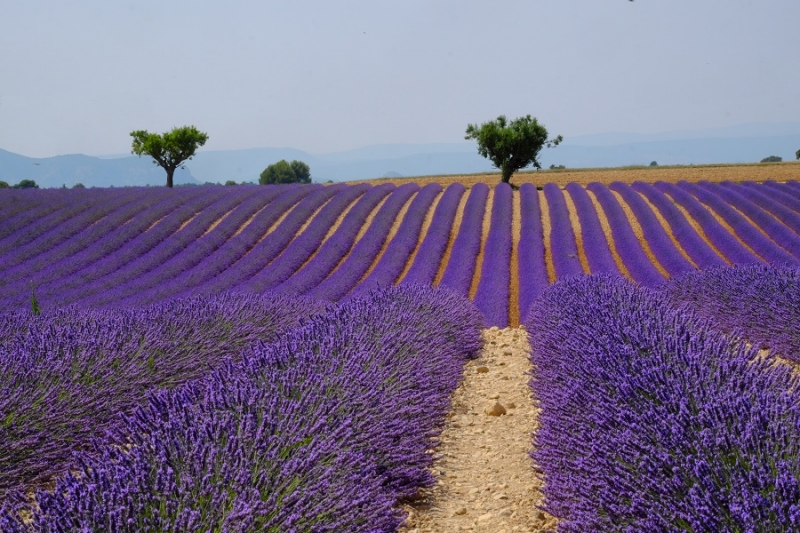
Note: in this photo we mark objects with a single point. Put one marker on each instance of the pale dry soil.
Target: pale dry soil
(486, 479)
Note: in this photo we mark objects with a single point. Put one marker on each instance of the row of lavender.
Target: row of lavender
(659, 412)
(324, 428)
(101, 248)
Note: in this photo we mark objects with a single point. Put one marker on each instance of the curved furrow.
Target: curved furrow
(461, 266)
(327, 260)
(769, 200)
(89, 212)
(662, 246)
(391, 263)
(429, 255)
(305, 244)
(595, 245)
(784, 194)
(783, 236)
(50, 259)
(158, 284)
(351, 268)
(37, 216)
(722, 240)
(274, 238)
(744, 229)
(245, 237)
(703, 255)
(636, 261)
(105, 289)
(129, 243)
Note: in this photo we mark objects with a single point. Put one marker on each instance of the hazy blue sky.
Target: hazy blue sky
(77, 76)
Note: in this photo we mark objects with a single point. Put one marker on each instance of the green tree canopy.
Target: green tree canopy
(168, 150)
(285, 172)
(797, 154)
(511, 146)
(4, 185)
(772, 159)
(26, 184)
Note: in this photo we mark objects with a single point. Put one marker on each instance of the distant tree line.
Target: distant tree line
(24, 184)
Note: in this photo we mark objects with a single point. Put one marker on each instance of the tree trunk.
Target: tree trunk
(170, 172)
(507, 172)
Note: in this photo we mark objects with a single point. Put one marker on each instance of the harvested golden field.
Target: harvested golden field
(714, 173)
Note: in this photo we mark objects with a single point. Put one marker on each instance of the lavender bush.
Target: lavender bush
(461, 267)
(322, 430)
(562, 238)
(66, 374)
(429, 256)
(653, 421)
(760, 301)
(598, 254)
(492, 294)
(532, 267)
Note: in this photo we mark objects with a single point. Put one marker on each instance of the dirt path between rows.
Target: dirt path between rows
(487, 482)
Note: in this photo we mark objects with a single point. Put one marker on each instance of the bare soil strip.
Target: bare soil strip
(547, 230)
(637, 230)
(401, 215)
(575, 222)
(423, 232)
(513, 290)
(487, 224)
(187, 222)
(218, 221)
(454, 229)
(249, 220)
(601, 215)
(486, 480)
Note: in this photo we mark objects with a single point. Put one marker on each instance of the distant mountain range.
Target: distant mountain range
(91, 171)
(737, 144)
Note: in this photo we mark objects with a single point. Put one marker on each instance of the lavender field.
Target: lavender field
(281, 358)
(109, 248)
